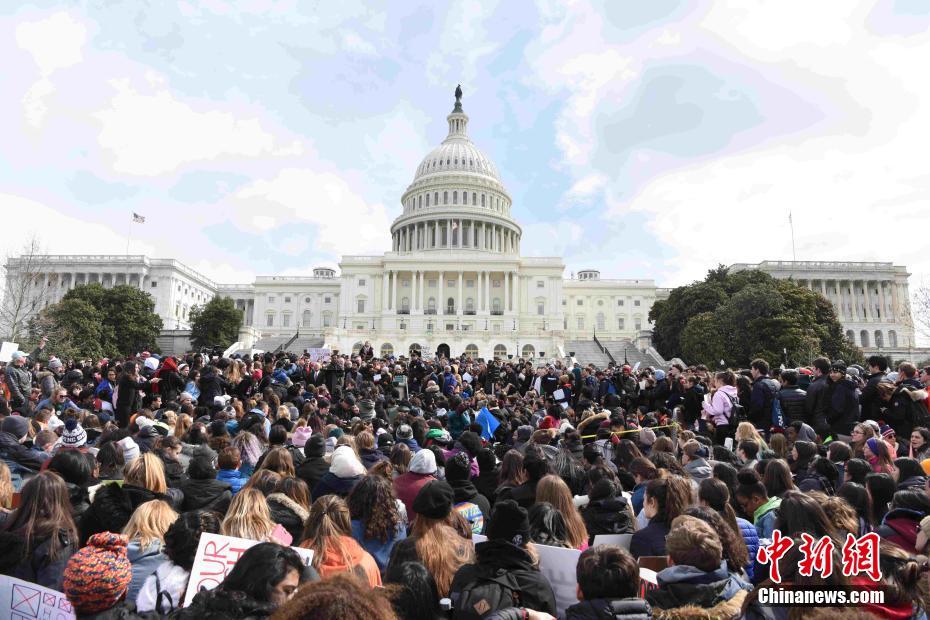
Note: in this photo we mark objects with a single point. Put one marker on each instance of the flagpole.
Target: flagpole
(794, 252)
(128, 239)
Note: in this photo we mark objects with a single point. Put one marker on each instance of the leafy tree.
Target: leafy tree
(95, 320)
(215, 323)
(740, 316)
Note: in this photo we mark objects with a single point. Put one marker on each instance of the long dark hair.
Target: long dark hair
(672, 495)
(261, 568)
(547, 526)
(800, 513)
(777, 478)
(414, 592)
(857, 497)
(372, 501)
(881, 488)
(44, 513)
(735, 551)
(716, 495)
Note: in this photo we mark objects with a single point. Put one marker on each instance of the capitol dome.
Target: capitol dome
(456, 199)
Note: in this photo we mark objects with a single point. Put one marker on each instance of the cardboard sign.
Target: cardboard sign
(559, 394)
(558, 565)
(216, 556)
(22, 599)
(647, 581)
(467, 378)
(621, 540)
(6, 351)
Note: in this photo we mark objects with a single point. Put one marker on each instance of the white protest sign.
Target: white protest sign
(558, 565)
(478, 538)
(467, 378)
(621, 540)
(316, 355)
(216, 556)
(6, 351)
(558, 394)
(22, 599)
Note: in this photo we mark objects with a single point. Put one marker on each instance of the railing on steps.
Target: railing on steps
(604, 349)
(283, 347)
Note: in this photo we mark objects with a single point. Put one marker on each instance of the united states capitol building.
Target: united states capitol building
(454, 282)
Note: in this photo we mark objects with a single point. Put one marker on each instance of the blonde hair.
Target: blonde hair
(248, 516)
(441, 549)
(148, 472)
(365, 440)
(149, 522)
(279, 460)
(746, 431)
(183, 425)
(6, 487)
(283, 413)
(553, 489)
(328, 523)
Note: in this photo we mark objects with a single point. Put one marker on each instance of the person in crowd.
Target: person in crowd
(14, 432)
(98, 576)
(341, 597)
(145, 536)
(422, 471)
(919, 446)
(76, 469)
(376, 521)
(608, 586)
(607, 511)
(202, 490)
(902, 522)
(474, 507)
(791, 398)
(881, 488)
(345, 471)
(735, 553)
(714, 494)
(553, 490)
(694, 460)
(547, 526)
(289, 506)
(718, 410)
(878, 456)
(229, 462)
(264, 578)
(315, 465)
(536, 467)
(754, 501)
(438, 537)
(696, 581)
(414, 595)
(507, 555)
(163, 590)
(248, 516)
(328, 533)
(38, 538)
(665, 499)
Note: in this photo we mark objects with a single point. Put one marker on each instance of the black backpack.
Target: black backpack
(486, 595)
(737, 411)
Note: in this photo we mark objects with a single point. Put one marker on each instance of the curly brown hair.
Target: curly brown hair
(373, 502)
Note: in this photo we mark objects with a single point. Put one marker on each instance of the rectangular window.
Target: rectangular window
(564, 302)
(271, 299)
(540, 309)
(540, 284)
(285, 320)
(361, 282)
(496, 283)
(580, 302)
(361, 306)
(269, 320)
(154, 284)
(620, 302)
(431, 283)
(469, 284)
(450, 283)
(638, 324)
(326, 300)
(620, 323)
(359, 326)
(450, 327)
(287, 300)
(636, 303)
(580, 322)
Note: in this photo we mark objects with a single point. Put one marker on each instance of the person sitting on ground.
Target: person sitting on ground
(328, 532)
(696, 582)
(608, 586)
(229, 462)
(341, 597)
(97, 577)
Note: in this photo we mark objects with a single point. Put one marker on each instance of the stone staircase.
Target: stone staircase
(618, 348)
(587, 352)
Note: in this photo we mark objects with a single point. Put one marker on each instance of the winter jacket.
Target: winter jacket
(764, 517)
(486, 483)
(610, 515)
(312, 470)
(80, 500)
(792, 400)
(370, 457)
(815, 403)
(638, 497)
(698, 469)
(688, 592)
(232, 477)
(720, 405)
(112, 507)
(360, 563)
(410, 443)
(842, 406)
(36, 567)
(900, 526)
(905, 408)
(751, 538)
(466, 498)
(764, 391)
(650, 540)
(144, 560)
(609, 609)
(380, 551)
(291, 515)
(209, 494)
(221, 604)
(495, 558)
(406, 487)
(525, 494)
(331, 484)
(869, 401)
(18, 457)
(19, 382)
(167, 580)
(693, 404)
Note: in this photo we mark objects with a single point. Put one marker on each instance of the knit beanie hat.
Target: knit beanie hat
(872, 443)
(405, 432)
(315, 446)
(423, 462)
(440, 436)
(15, 425)
(130, 449)
(458, 467)
(301, 435)
(74, 435)
(509, 522)
(98, 575)
(385, 440)
(434, 500)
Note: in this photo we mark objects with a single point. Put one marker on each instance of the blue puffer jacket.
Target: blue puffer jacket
(751, 538)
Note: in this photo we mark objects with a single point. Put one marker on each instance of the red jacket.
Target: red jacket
(406, 486)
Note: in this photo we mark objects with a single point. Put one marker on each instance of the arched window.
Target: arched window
(431, 305)
(445, 198)
(879, 340)
(269, 319)
(600, 321)
(474, 199)
(356, 348)
(471, 350)
(620, 323)
(864, 338)
(415, 348)
(455, 198)
(420, 202)
(482, 200)
(286, 319)
(405, 305)
(851, 336)
(529, 351)
(306, 318)
(500, 351)
(327, 319)
(892, 338)
(387, 349)
(450, 306)
(427, 200)
(435, 198)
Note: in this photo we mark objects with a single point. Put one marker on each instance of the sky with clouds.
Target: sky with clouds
(647, 139)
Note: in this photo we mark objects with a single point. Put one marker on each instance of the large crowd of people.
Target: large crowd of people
(392, 470)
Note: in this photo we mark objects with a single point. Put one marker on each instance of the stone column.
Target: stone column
(894, 301)
(458, 305)
(441, 306)
(506, 292)
(394, 291)
(883, 300)
(384, 289)
(868, 300)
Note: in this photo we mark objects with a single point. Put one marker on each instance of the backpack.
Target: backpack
(778, 418)
(737, 411)
(486, 595)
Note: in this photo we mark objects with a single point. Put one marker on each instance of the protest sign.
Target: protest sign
(621, 540)
(216, 556)
(22, 599)
(558, 565)
(6, 351)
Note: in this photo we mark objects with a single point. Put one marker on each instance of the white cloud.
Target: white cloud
(463, 43)
(152, 133)
(54, 43)
(345, 223)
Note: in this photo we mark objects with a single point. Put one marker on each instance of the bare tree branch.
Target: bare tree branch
(921, 314)
(25, 288)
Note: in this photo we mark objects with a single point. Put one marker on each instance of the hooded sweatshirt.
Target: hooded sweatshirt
(422, 470)
(344, 473)
(764, 517)
(718, 409)
(356, 561)
(718, 592)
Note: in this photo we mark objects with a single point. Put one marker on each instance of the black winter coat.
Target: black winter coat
(525, 494)
(14, 452)
(842, 406)
(815, 403)
(606, 609)
(221, 604)
(36, 567)
(112, 508)
(611, 515)
(291, 515)
(312, 470)
(486, 483)
(869, 400)
(498, 557)
(210, 494)
(793, 401)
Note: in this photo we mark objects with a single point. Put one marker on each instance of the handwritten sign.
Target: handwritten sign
(21, 599)
(216, 556)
